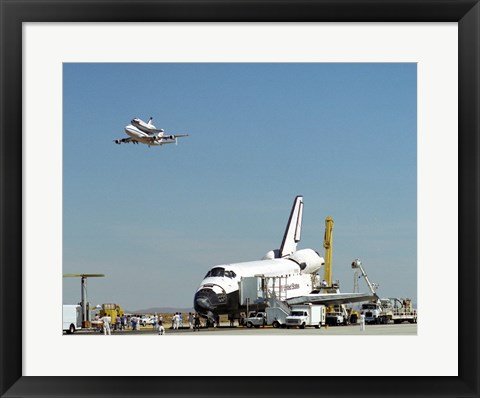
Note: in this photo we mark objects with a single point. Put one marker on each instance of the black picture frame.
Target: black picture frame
(15, 12)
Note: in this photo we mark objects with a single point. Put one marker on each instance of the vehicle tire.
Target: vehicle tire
(302, 326)
(71, 329)
(249, 324)
(275, 324)
(318, 326)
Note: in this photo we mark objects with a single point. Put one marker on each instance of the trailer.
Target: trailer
(72, 318)
(402, 310)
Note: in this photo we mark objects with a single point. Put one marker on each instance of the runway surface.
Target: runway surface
(381, 330)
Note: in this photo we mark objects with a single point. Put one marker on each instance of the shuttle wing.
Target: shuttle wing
(294, 228)
(331, 298)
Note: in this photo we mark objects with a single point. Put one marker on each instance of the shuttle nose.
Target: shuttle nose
(207, 300)
(203, 303)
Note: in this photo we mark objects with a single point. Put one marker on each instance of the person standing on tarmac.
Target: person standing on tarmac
(196, 322)
(161, 329)
(106, 325)
(190, 320)
(176, 321)
(362, 322)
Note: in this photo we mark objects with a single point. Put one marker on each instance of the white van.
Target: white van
(72, 318)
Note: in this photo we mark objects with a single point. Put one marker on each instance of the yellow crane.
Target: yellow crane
(327, 244)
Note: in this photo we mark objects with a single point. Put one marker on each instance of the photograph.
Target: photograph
(202, 235)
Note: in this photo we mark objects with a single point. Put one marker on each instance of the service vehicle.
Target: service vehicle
(147, 320)
(111, 310)
(256, 319)
(390, 310)
(375, 313)
(72, 318)
(277, 316)
(335, 318)
(402, 310)
(306, 315)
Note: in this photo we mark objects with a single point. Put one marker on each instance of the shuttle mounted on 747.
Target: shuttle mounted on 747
(219, 293)
(148, 134)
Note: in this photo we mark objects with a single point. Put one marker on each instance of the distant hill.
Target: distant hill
(160, 310)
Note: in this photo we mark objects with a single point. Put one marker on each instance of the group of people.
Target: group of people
(124, 322)
(193, 321)
(177, 320)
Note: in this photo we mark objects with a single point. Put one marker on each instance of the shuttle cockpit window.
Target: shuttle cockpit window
(230, 274)
(217, 272)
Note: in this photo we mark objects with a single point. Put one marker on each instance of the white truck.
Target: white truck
(375, 313)
(72, 318)
(336, 318)
(306, 315)
(391, 310)
(256, 319)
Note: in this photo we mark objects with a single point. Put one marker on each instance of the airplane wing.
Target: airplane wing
(331, 298)
(172, 137)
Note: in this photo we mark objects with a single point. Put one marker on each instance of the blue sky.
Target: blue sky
(154, 220)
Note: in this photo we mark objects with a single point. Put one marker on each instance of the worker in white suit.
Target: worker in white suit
(362, 322)
(106, 325)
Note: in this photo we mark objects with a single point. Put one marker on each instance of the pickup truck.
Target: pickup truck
(147, 320)
(256, 319)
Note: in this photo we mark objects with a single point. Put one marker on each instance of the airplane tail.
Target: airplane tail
(294, 228)
(150, 121)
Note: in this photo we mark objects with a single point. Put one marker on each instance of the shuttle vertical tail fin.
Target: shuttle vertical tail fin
(294, 228)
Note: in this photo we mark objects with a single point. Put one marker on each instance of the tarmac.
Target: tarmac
(351, 330)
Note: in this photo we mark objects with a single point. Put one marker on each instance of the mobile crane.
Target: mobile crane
(338, 314)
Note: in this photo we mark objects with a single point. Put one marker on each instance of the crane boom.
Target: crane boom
(358, 264)
(327, 244)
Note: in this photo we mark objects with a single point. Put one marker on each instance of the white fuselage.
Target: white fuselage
(142, 134)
